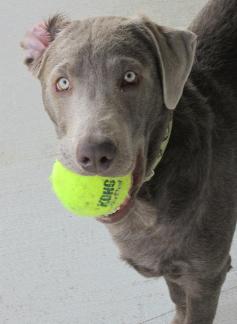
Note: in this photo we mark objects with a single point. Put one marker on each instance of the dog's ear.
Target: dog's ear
(38, 39)
(176, 51)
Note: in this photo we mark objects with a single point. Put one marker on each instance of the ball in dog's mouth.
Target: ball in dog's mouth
(130, 200)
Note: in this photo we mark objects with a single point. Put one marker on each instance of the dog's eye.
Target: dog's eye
(62, 84)
(130, 77)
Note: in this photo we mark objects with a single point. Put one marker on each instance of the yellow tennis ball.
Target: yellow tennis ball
(92, 196)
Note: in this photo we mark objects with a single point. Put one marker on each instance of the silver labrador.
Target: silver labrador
(111, 86)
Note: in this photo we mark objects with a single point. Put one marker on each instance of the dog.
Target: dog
(129, 96)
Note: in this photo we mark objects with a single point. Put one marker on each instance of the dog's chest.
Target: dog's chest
(152, 249)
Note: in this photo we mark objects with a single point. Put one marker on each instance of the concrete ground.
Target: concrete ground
(56, 268)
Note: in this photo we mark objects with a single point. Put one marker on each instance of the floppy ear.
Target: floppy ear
(38, 39)
(176, 51)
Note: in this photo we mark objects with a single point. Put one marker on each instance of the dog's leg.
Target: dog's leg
(202, 309)
(201, 306)
(178, 297)
(196, 300)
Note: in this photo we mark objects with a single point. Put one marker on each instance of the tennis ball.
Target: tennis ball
(92, 196)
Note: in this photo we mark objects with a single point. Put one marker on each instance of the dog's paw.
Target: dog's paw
(178, 319)
(175, 322)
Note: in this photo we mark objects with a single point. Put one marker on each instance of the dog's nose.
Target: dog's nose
(96, 157)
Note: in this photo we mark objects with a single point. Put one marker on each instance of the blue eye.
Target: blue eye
(62, 84)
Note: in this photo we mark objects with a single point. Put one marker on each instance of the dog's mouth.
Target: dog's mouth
(128, 204)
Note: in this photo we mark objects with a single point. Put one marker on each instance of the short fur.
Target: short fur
(183, 221)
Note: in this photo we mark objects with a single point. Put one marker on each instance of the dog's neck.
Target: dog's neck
(140, 218)
(161, 151)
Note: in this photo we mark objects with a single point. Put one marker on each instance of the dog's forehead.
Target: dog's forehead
(102, 35)
(99, 29)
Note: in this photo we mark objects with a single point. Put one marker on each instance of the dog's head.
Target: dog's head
(109, 85)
